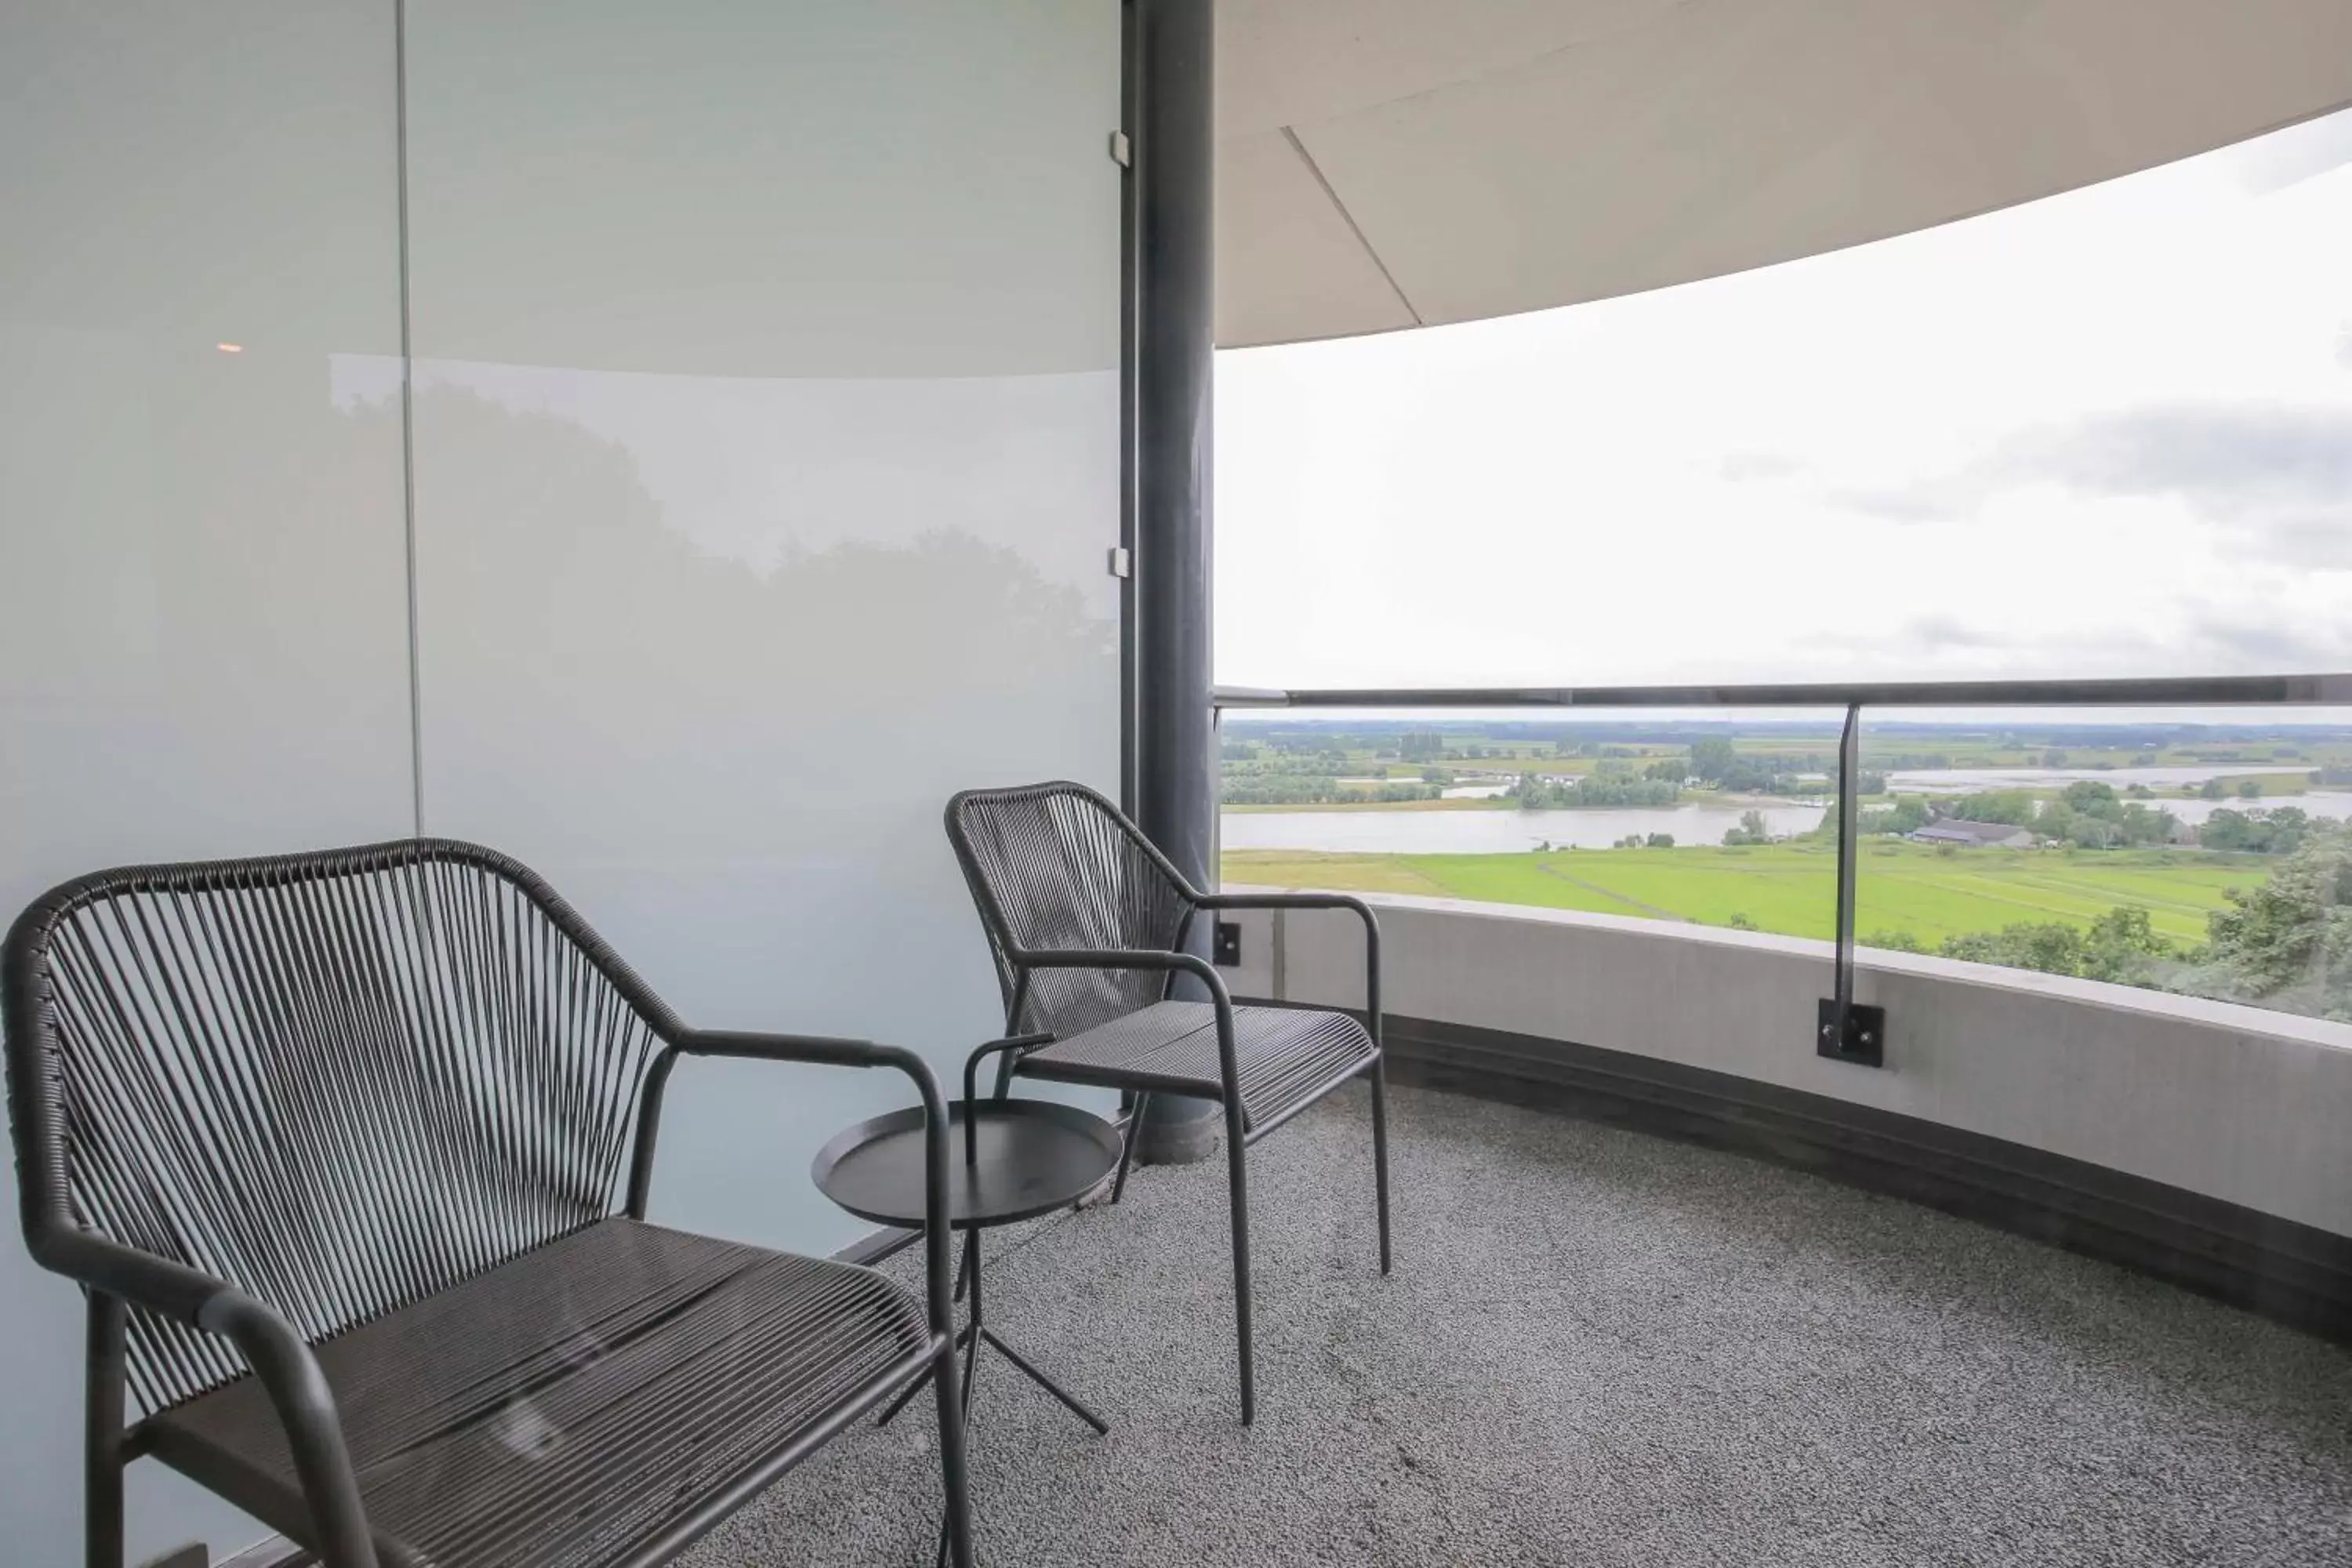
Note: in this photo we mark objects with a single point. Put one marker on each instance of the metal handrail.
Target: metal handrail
(1845, 1030)
(2212, 690)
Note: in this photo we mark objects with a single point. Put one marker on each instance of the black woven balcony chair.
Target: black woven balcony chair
(1089, 923)
(351, 1152)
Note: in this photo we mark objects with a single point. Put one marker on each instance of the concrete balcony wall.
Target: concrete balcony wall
(2235, 1103)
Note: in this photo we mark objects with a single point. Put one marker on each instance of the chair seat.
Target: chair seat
(570, 1406)
(1286, 1054)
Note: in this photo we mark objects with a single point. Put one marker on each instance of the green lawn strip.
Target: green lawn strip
(1458, 804)
(2269, 784)
(2014, 891)
(1518, 879)
(1552, 869)
(1793, 896)
(1775, 889)
(2156, 894)
(1336, 873)
(1790, 889)
(1934, 908)
(1947, 897)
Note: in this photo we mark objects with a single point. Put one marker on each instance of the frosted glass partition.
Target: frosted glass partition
(203, 595)
(766, 460)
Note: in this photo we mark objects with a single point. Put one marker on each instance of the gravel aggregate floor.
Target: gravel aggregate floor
(1598, 1347)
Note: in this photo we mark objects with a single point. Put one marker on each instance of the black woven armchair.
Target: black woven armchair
(1089, 923)
(351, 1152)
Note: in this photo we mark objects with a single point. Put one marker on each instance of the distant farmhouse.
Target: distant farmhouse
(1976, 835)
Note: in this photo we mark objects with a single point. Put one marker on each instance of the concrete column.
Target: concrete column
(1171, 90)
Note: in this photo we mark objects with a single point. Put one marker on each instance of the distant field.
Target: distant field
(2269, 784)
(1790, 889)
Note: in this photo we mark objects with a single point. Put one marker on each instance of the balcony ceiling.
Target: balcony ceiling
(1390, 164)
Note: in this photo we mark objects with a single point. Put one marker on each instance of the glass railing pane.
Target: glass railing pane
(2202, 853)
(1697, 818)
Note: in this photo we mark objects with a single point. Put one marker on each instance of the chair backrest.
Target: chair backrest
(1056, 866)
(342, 1081)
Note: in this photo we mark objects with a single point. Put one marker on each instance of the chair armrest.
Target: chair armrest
(159, 1284)
(1014, 1044)
(823, 1050)
(282, 1362)
(298, 1391)
(1363, 911)
(743, 1044)
(1287, 901)
(828, 1052)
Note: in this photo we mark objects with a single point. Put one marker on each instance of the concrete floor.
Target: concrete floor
(1598, 1347)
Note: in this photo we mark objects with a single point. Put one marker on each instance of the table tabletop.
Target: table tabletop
(1024, 1158)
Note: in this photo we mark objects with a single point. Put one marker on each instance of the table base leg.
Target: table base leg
(1047, 1383)
(973, 1335)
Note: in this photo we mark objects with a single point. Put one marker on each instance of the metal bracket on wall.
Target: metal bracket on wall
(1845, 1029)
(1858, 1034)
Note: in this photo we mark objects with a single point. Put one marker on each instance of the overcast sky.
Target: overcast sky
(2105, 434)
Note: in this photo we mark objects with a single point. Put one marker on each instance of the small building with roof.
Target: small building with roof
(1974, 834)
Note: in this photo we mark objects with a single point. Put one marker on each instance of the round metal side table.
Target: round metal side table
(1016, 1160)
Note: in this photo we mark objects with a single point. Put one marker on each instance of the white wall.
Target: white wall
(765, 411)
(2235, 1102)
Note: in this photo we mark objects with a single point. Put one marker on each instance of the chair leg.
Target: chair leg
(1238, 1175)
(955, 1476)
(1381, 1149)
(1126, 1149)
(102, 1439)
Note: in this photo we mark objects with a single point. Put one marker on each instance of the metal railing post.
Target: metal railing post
(1847, 1031)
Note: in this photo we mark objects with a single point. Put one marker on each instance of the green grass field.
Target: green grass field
(2269, 784)
(1460, 804)
(1790, 888)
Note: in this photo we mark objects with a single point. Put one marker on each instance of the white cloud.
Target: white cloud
(1899, 461)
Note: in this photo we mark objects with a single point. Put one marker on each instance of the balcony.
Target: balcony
(1601, 1345)
(681, 446)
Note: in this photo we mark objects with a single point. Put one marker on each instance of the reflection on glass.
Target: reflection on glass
(766, 447)
(714, 652)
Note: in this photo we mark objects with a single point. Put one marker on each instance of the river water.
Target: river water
(2333, 803)
(1966, 781)
(1515, 832)
(1494, 832)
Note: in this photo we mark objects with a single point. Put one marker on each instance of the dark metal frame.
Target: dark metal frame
(1021, 963)
(1845, 1030)
(2159, 692)
(116, 1277)
(1850, 1031)
(1169, 783)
